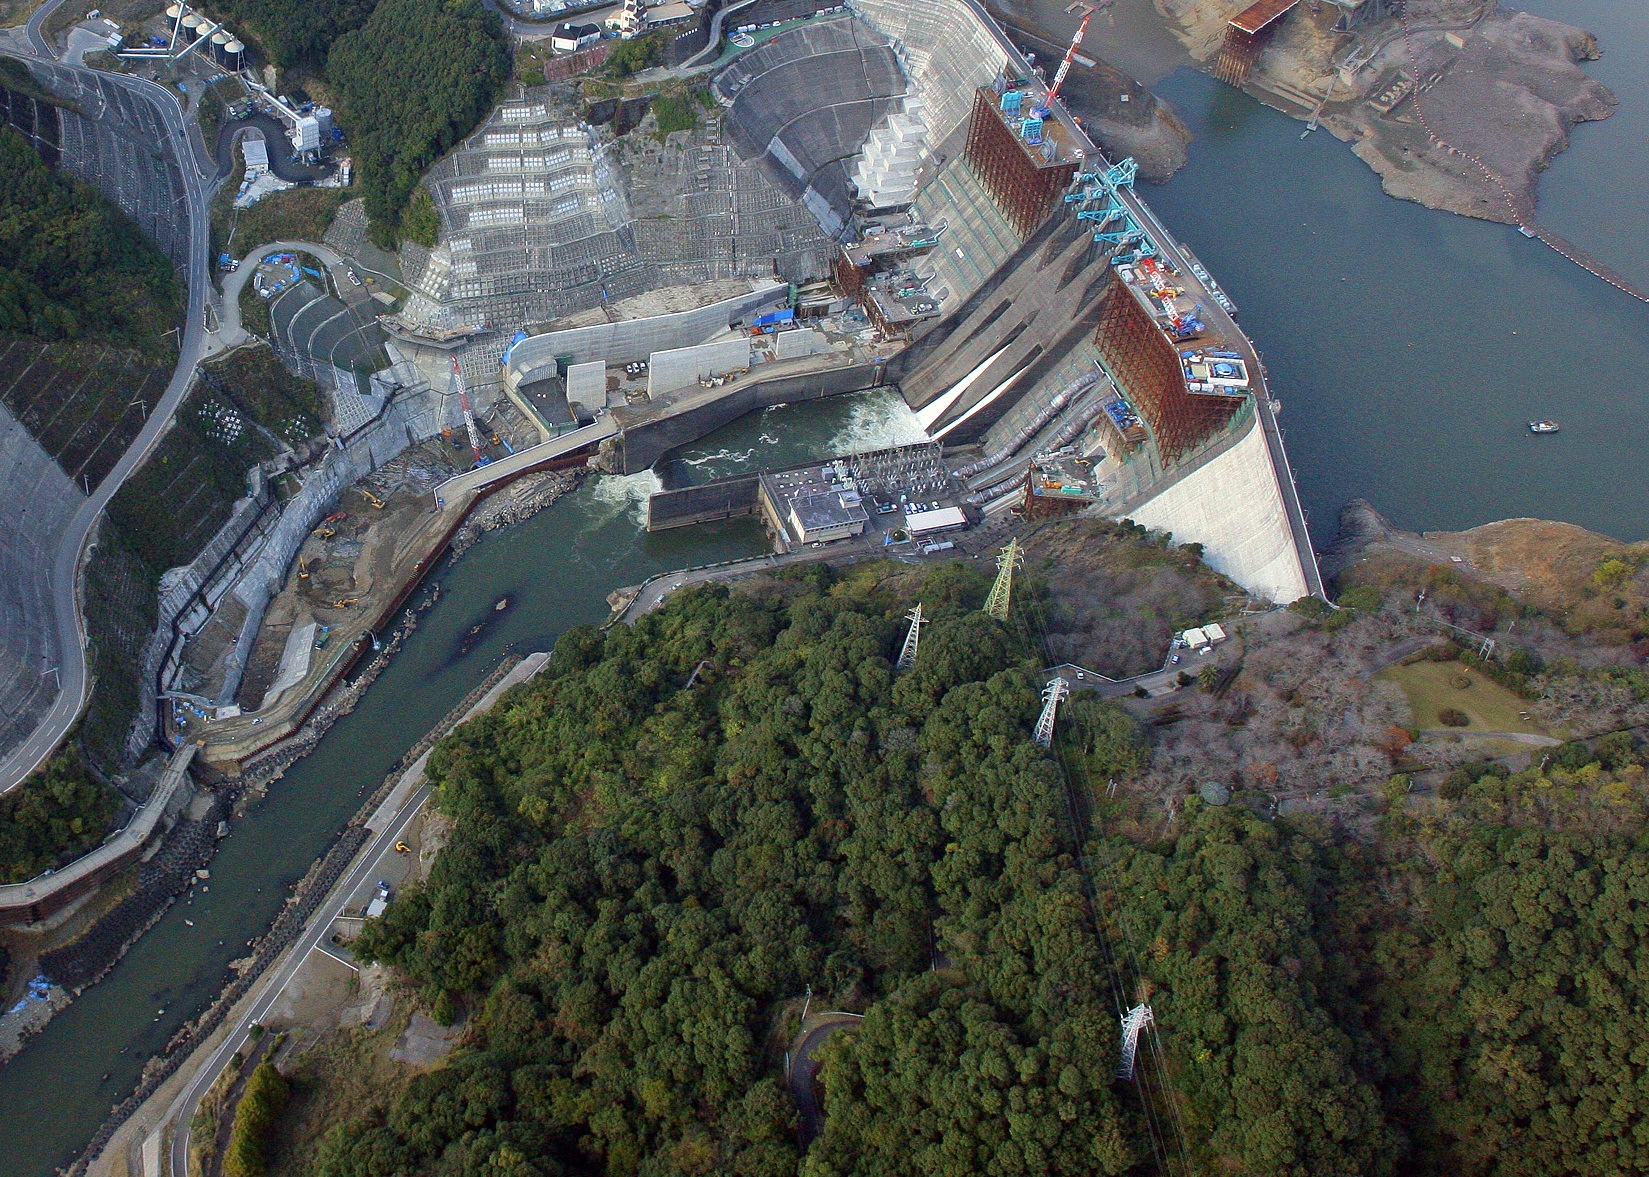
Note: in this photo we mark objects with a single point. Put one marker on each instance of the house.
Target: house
(569, 38)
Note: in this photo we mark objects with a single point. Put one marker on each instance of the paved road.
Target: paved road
(71, 637)
(229, 329)
(36, 29)
(804, 1066)
(182, 1112)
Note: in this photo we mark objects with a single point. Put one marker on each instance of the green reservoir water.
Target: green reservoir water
(1409, 347)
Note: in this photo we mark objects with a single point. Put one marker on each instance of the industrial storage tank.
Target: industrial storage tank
(191, 26)
(232, 52)
(174, 12)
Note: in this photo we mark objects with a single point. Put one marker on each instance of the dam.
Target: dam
(886, 195)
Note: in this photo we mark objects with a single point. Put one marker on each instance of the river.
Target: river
(1409, 347)
(556, 569)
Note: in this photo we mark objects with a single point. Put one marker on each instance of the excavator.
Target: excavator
(303, 568)
(377, 503)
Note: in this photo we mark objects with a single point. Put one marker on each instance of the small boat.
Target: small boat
(1544, 426)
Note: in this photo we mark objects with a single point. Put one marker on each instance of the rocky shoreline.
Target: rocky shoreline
(1459, 107)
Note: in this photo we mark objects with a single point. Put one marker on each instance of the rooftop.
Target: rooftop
(891, 242)
(1063, 474)
(1261, 13)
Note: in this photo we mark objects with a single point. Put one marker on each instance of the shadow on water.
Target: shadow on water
(473, 635)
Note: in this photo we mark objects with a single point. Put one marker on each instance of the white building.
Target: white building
(569, 38)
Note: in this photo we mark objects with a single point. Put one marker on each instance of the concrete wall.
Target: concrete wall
(645, 442)
(726, 498)
(36, 899)
(684, 366)
(587, 384)
(1234, 508)
(634, 339)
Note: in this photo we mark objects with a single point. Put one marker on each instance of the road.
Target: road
(229, 329)
(182, 1112)
(71, 637)
(804, 1067)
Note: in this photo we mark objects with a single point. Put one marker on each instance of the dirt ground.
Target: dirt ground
(351, 563)
(1507, 93)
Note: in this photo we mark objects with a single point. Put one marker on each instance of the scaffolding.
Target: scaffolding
(1023, 180)
(1147, 370)
(1245, 36)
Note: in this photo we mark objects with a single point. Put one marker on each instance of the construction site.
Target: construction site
(889, 196)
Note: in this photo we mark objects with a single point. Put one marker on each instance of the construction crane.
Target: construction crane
(469, 417)
(1046, 108)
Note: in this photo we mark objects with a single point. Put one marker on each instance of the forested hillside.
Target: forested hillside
(643, 874)
(71, 266)
(662, 842)
(412, 78)
(413, 81)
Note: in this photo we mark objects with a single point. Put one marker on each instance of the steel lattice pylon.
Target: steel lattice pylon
(907, 656)
(996, 605)
(1133, 1022)
(1052, 695)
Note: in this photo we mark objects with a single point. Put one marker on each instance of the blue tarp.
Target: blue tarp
(505, 358)
(783, 316)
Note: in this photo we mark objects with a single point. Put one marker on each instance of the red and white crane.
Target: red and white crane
(1065, 66)
(469, 417)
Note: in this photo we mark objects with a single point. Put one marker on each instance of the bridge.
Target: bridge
(480, 478)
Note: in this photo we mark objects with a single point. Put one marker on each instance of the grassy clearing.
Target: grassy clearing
(1430, 688)
(343, 1077)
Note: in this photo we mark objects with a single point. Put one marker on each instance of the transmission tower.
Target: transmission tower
(996, 605)
(1133, 1022)
(1051, 697)
(907, 656)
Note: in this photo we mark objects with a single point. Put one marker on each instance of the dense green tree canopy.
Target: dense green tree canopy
(295, 34)
(643, 872)
(411, 82)
(62, 813)
(71, 265)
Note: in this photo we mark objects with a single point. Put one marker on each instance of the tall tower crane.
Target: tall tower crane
(1046, 108)
(469, 417)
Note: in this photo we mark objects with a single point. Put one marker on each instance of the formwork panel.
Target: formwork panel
(1024, 188)
(1147, 368)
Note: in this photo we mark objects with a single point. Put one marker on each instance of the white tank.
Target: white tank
(221, 38)
(173, 12)
(234, 46)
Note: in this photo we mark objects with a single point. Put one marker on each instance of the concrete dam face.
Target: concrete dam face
(964, 239)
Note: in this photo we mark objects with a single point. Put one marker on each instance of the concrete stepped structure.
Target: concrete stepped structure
(1032, 301)
(885, 175)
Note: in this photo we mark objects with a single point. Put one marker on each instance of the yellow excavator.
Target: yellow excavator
(303, 568)
(377, 503)
(327, 532)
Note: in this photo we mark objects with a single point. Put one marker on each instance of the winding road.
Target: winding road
(804, 1069)
(198, 182)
